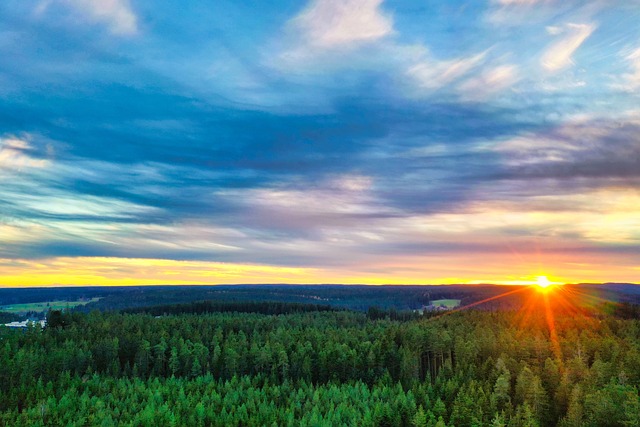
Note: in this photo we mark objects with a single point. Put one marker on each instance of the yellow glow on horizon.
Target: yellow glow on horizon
(106, 271)
(539, 281)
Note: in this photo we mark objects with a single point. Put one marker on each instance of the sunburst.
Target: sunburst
(544, 300)
(543, 282)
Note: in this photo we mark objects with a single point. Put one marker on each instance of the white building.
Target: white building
(24, 323)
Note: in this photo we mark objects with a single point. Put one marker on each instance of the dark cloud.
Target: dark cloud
(589, 154)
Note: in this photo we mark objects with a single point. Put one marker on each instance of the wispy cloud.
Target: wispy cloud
(15, 155)
(519, 2)
(489, 83)
(507, 13)
(558, 55)
(433, 74)
(585, 152)
(118, 15)
(342, 23)
(630, 82)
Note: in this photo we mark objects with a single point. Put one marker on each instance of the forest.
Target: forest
(355, 297)
(283, 364)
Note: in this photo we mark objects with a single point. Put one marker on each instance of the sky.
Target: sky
(322, 141)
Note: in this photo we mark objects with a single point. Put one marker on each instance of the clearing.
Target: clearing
(449, 303)
(41, 307)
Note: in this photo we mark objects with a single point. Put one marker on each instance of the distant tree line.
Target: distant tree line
(377, 313)
(8, 317)
(623, 310)
(260, 307)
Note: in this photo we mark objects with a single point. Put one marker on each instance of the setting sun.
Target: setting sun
(543, 282)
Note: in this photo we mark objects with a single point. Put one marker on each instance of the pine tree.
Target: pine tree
(420, 418)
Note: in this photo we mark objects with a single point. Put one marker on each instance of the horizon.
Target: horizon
(320, 142)
(531, 285)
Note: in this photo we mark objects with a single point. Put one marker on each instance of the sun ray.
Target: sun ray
(590, 295)
(561, 298)
(551, 323)
(525, 309)
(493, 298)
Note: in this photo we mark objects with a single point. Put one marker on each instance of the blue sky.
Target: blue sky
(355, 141)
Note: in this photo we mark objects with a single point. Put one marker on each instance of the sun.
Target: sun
(543, 282)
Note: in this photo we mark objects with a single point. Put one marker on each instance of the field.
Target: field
(44, 306)
(449, 303)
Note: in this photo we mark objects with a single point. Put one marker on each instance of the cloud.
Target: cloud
(603, 215)
(349, 157)
(489, 83)
(591, 152)
(554, 30)
(15, 155)
(519, 2)
(630, 82)
(330, 24)
(117, 14)
(435, 74)
(509, 13)
(558, 55)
